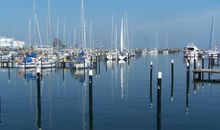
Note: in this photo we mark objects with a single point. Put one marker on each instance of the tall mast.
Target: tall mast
(83, 25)
(122, 35)
(157, 42)
(211, 34)
(167, 39)
(49, 21)
(57, 37)
(74, 37)
(64, 33)
(38, 29)
(90, 34)
(126, 35)
(116, 36)
(34, 29)
(29, 32)
(47, 30)
(112, 32)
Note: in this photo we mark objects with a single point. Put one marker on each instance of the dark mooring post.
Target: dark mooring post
(151, 84)
(9, 74)
(12, 60)
(159, 88)
(209, 66)
(99, 62)
(0, 110)
(106, 67)
(128, 58)
(187, 86)
(63, 64)
(187, 74)
(172, 79)
(39, 98)
(90, 98)
(188, 60)
(96, 64)
(194, 62)
(202, 68)
(63, 74)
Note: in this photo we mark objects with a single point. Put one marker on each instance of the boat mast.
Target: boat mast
(211, 34)
(112, 32)
(74, 38)
(157, 42)
(122, 35)
(126, 37)
(49, 22)
(38, 29)
(29, 32)
(64, 33)
(116, 37)
(83, 25)
(90, 34)
(167, 39)
(57, 32)
(34, 29)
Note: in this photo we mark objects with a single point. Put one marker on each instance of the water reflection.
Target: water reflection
(30, 74)
(111, 64)
(79, 74)
(122, 82)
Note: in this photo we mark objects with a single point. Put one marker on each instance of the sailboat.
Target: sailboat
(155, 51)
(82, 61)
(122, 55)
(112, 55)
(213, 52)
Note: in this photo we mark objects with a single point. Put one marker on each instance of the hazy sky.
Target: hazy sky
(184, 20)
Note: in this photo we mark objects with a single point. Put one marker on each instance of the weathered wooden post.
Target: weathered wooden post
(151, 84)
(172, 79)
(159, 89)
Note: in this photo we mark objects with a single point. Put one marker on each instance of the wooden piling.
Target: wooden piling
(172, 79)
(159, 89)
(151, 84)
(38, 98)
(187, 86)
(90, 98)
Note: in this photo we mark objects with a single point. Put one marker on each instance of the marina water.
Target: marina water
(120, 98)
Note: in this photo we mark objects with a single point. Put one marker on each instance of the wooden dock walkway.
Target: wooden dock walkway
(200, 74)
(206, 70)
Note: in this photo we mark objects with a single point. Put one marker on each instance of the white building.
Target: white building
(10, 43)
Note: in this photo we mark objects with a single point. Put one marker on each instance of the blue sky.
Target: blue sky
(185, 20)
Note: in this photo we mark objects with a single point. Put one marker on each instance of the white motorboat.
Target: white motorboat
(191, 50)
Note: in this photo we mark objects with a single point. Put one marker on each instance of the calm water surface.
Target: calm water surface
(120, 98)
